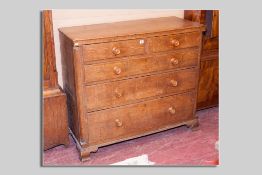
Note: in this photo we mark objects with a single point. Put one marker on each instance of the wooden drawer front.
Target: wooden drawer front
(101, 51)
(135, 119)
(171, 42)
(127, 91)
(140, 65)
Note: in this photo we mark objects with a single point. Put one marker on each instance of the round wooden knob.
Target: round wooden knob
(172, 110)
(118, 123)
(117, 70)
(174, 61)
(174, 83)
(116, 51)
(175, 42)
(118, 94)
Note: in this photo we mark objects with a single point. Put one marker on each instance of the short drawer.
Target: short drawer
(139, 65)
(171, 42)
(128, 91)
(123, 122)
(101, 51)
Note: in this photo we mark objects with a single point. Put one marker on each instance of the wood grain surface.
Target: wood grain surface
(208, 91)
(55, 121)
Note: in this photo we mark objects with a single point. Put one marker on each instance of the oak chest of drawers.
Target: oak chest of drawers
(128, 79)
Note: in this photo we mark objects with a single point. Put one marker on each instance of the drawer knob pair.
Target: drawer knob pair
(116, 51)
(174, 83)
(172, 110)
(175, 42)
(174, 61)
(118, 123)
(117, 70)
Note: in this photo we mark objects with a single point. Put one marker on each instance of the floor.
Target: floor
(179, 146)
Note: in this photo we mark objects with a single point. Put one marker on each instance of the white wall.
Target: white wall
(64, 18)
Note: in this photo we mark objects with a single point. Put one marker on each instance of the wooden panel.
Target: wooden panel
(48, 51)
(171, 42)
(69, 82)
(195, 15)
(211, 19)
(210, 44)
(211, 37)
(113, 49)
(67, 64)
(114, 124)
(55, 120)
(215, 24)
(140, 65)
(126, 91)
(128, 28)
(55, 126)
(208, 84)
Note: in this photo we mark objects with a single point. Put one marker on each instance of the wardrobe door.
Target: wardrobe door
(208, 91)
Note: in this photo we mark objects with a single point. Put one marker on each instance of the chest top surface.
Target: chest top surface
(129, 28)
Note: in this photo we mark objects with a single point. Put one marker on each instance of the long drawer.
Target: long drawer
(140, 65)
(135, 119)
(127, 91)
(101, 51)
(173, 42)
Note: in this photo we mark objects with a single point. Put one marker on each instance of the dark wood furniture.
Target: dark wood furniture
(208, 82)
(129, 79)
(55, 123)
